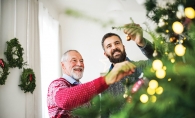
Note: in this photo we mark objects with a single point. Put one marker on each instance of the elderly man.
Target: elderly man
(67, 93)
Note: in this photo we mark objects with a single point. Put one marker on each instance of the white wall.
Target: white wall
(85, 36)
(12, 99)
(19, 18)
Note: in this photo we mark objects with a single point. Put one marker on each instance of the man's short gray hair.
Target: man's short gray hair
(65, 55)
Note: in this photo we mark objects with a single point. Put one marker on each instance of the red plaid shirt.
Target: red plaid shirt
(62, 96)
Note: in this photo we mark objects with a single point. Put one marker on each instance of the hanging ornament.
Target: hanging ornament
(177, 27)
(137, 86)
(161, 22)
(189, 12)
(5, 71)
(172, 39)
(180, 8)
(179, 15)
(1, 63)
(180, 49)
(128, 38)
(30, 77)
(154, 53)
(141, 81)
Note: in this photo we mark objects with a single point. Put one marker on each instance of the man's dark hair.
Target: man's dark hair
(107, 36)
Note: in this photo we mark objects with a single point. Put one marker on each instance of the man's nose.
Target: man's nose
(79, 63)
(114, 46)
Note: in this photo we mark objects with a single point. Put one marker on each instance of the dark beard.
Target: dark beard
(117, 60)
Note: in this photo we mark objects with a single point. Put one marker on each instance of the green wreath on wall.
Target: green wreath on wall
(4, 73)
(14, 53)
(27, 80)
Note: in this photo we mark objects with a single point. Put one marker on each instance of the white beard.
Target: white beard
(75, 75)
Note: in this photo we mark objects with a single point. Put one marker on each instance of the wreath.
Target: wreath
(14, 53)
(27, 80)
(4, 73)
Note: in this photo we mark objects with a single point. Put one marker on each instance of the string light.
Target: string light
(189, 12)
(150, 91)
(153, 98)
(177, 27)
(159, 90)
(160, 73)
(180, 49)
(153, 84)
(157, 64)
(144, 98)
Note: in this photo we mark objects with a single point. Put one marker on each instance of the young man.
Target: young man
(115, 51)
(67, 93)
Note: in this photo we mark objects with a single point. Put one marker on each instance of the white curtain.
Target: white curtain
(49, 49)
(19, 19)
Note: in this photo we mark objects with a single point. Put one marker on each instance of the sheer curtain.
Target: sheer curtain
(49, 53)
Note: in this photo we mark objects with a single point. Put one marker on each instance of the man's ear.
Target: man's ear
(105, 54)
(62, 65)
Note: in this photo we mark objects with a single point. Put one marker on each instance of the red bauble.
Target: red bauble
(1, 63)
(30, 77)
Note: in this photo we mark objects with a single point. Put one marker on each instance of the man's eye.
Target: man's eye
(108, 46)
(117, 43)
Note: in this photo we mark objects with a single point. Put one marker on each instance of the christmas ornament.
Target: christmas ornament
(14, 53)
(5, 71)
(27, 80)
(1, 63)
(141, 81)
(30, 77)
(137, 86)
(154, 53)
(128, 38)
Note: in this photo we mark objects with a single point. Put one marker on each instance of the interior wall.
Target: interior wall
(12, 99)
(19, 20)
(85, 36)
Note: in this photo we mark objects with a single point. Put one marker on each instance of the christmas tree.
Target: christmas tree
(170, 90)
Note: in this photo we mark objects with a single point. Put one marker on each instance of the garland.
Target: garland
(27, 80)
(5, 73)
(14, 53)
